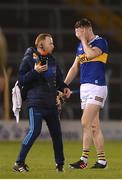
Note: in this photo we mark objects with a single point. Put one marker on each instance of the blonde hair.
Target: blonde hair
(41, 37)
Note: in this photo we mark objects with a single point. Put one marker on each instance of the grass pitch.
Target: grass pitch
(42, 166)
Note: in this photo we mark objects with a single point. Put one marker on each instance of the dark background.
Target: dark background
(22, 20)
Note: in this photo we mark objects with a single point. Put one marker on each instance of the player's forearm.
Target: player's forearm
(70, 76)
(90, 53)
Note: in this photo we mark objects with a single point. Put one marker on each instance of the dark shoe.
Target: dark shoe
(59, 168)
(99, 166)
(78, 165)
(20, 167)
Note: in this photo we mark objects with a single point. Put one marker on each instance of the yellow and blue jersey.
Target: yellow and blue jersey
(93, 70)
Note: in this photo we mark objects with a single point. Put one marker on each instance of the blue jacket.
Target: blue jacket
(41, 87)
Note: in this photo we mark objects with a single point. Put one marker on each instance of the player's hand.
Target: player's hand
(81, 34)
(66, 92)
(40, 68)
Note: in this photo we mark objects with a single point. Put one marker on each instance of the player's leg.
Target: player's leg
(54, 127)
(35, 124)
(98, 140)
(99, 98)
(89, 113)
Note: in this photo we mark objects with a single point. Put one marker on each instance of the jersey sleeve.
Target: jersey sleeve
(102, 44)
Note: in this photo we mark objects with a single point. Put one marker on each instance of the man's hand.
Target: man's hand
(40, 68)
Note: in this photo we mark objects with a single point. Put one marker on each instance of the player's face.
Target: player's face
(81, 32)
(78, 32)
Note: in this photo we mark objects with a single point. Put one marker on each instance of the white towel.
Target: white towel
(17, 101)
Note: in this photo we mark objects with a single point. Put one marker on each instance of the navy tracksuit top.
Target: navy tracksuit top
(41, 87)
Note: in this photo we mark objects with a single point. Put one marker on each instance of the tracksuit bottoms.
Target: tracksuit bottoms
(51, 116)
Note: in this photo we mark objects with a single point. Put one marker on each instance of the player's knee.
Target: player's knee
(95, 129)
(85, 124)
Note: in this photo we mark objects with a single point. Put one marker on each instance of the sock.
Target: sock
(101, 158)
(85, 155)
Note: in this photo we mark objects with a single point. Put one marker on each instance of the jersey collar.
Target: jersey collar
(93, 39)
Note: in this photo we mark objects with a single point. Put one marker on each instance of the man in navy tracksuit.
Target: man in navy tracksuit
(41, 77)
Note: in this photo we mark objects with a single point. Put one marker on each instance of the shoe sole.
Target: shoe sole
(100, 168)
(14, 170)
(76, 168)
(71, 167)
